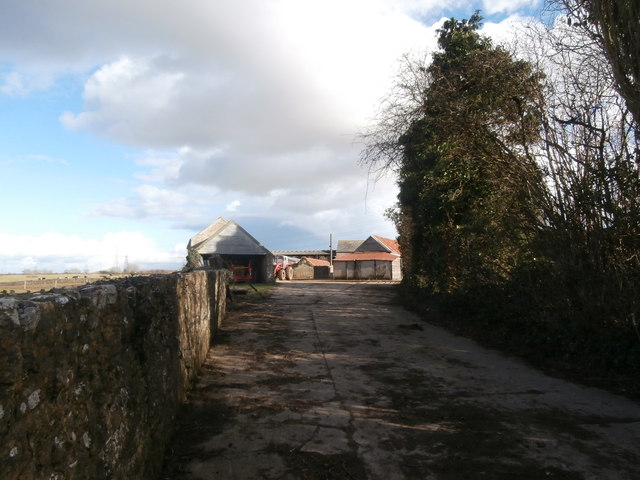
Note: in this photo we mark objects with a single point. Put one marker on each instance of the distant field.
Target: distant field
(22, 283)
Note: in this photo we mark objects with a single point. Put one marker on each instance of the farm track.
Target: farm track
(333, 381)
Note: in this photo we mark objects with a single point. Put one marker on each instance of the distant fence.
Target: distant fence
(35, 283)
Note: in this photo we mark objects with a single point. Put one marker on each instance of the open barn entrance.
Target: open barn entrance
(245, 268)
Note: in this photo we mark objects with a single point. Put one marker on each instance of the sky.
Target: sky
(129, 126)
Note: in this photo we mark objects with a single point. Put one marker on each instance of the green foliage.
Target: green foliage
(194, 259)
(466, 179)
(519, 202)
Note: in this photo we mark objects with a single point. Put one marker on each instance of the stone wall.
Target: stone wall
(303, 271)
(306, 271)
(91, 379)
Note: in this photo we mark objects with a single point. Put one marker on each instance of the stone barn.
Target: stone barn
(225, 244)
(376, 258)
(311, 268)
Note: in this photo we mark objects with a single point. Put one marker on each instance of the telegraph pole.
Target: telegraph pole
(331, 252)
(116, 265)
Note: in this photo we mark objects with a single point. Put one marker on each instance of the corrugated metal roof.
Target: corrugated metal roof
(300, 253)
(364, 256)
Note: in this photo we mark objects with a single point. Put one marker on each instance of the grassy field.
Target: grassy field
(23, 283)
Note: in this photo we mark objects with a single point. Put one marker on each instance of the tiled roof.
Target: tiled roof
(316, 262)
(380, 256)
(348, 246)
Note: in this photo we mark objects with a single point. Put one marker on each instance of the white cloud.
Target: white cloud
(146, 201)
(128, 100)
(353, 212)
(164, 165)
(278, 112)
(13, 84)
(57, 252)
(249, 107)
(505, 31)
(491, 7)
(233, 206)
(292, 76)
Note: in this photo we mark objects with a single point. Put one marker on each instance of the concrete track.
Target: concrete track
(332, 381)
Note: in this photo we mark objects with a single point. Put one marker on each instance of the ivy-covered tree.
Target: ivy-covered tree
(467, 180)
(523, 185)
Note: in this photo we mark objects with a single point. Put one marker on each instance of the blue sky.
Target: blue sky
(127, 127)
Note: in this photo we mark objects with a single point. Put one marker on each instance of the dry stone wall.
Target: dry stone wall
(91, 379)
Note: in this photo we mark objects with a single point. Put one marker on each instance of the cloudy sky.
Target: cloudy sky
(129, 126)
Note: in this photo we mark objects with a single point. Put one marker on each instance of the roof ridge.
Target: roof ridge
(208, 232)
(389, 243)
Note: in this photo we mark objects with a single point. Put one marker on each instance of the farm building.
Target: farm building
(347, 246)
(376, 258)
(225, 244)
(319, 254)
(311, 268)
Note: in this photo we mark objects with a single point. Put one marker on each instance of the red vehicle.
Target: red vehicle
(240, 273)
(283, 267)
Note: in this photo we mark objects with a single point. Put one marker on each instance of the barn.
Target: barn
(225, 244)
(376, 258)
(347, 246)
(311, 268)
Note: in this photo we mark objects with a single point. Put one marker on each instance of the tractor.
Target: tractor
(283, 267)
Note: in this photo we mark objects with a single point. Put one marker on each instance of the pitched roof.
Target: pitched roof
(211, 231)
(392, 245)
(364, 256)
(375, 243)
(348, 246)
(316, 262)
(226, 237)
